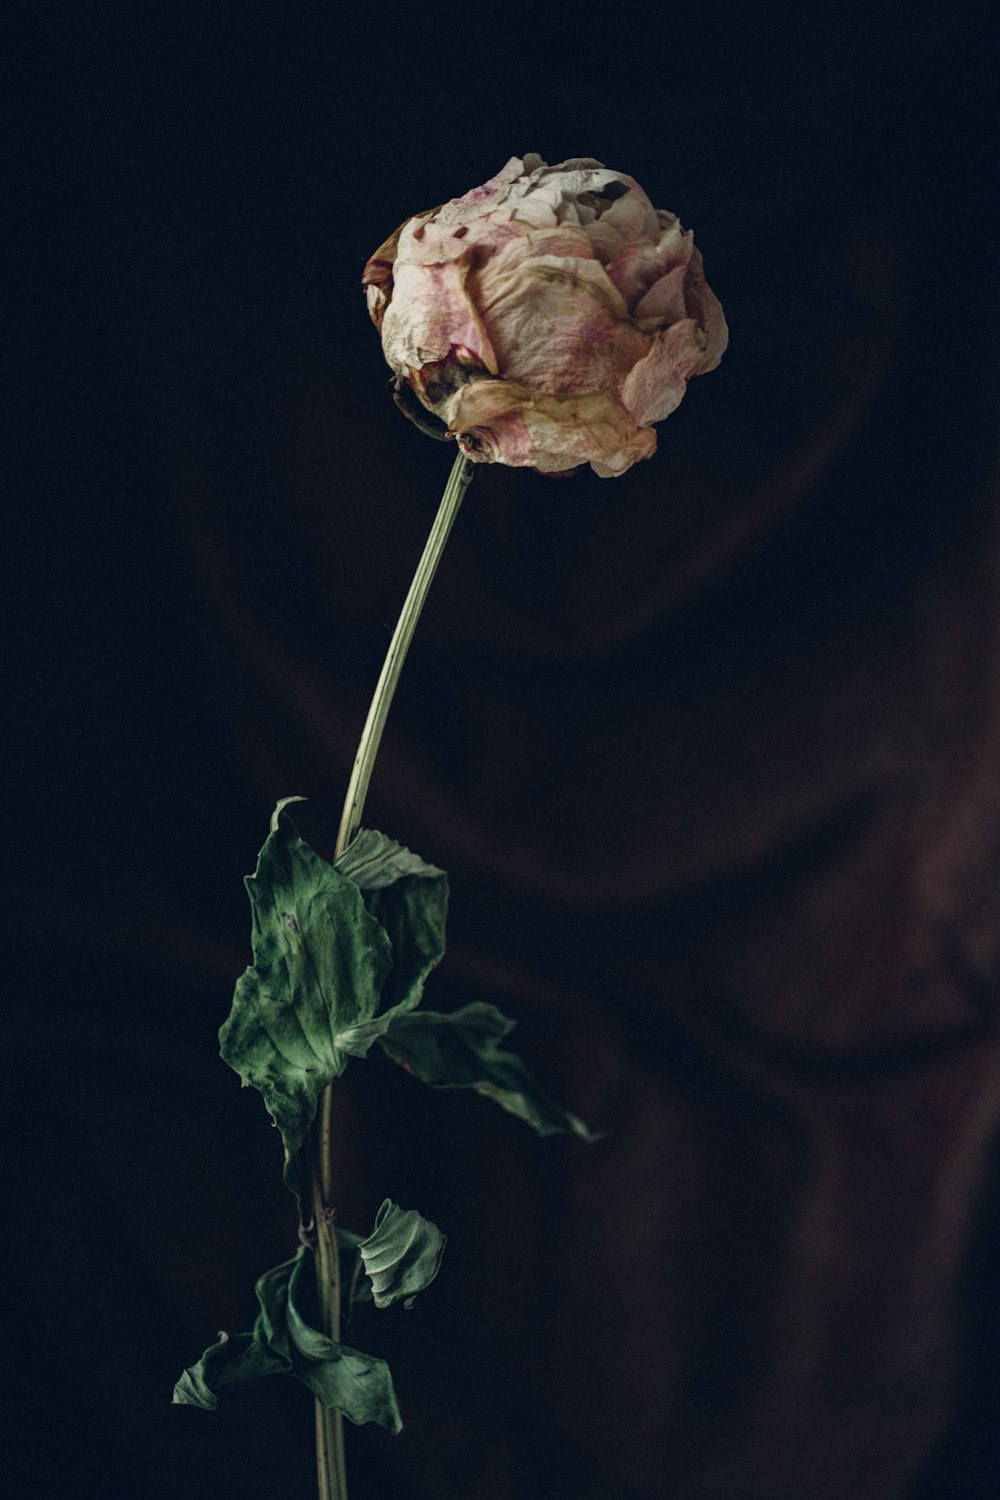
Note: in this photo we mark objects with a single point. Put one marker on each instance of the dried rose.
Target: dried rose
(549, 317)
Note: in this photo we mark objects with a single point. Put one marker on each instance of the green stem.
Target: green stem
(371, 737)
(329, 1424)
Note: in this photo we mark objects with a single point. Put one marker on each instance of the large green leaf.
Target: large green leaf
(285, 1341)
(338, 951)
(462, 1050)
(402, 1255)
(320, 962)
(341, 954)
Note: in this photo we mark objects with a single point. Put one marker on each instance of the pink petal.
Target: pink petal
(429, 314)
(641, 264)
(555, 321)
(656, 385)
(665, 298)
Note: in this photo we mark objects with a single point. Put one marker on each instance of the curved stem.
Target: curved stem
(329, 1424)
(371, 737)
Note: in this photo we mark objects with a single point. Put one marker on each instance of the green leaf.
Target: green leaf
(243, 1357)
(402, 1255)
(462, 1050)
(355, 1287)
(409, 900)
(285, 1342)
(320, 963)
(373, 861)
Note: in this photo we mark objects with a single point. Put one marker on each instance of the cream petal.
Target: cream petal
(377, 296)
(563, 187)
(577, 163)
(629, 215)
(536, 210)
(480, 199)
(556, 323)
(430, 243)
(502, 422)
(377, 275)
(520, 244)
(705, 306)
(567, 211)
(655, 386)
(605, 238)
(430, 313)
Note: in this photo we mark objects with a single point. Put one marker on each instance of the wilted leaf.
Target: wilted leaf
(409, 900)
(374, 861)
(402, 1255)
(242, 1357)
(338, 951)
(285, 1342)
(320, 961)
(462, 1050)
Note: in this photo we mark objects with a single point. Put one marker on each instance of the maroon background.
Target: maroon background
(710, 753)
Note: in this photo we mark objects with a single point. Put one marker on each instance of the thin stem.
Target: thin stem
(371, 737)
(329, 1424)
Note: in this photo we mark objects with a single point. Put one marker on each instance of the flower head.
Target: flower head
(549, 318)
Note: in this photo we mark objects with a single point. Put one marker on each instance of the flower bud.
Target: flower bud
(548, 318)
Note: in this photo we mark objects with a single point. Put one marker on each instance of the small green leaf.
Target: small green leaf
(320, 962)
(409, 900)
(355, 1287)
(285, 1342)
(462, 1050)
(242, 1357)
(402, 1255)
(374, 861)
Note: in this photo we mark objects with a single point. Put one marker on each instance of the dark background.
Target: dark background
(709, 751)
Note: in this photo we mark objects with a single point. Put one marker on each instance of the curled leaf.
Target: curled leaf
(409, 900)
(338, 951)
(320, 961)
(285, 1341)
(374, 861)
(402, 1255)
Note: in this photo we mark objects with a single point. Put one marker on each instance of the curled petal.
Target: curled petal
(481, 199)
(665, 298)
(655, 386)
(606, 240)
(430, 313)
(631, 215)
(643, 263)
(705, 307)
(498, 421)
(377, 276)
